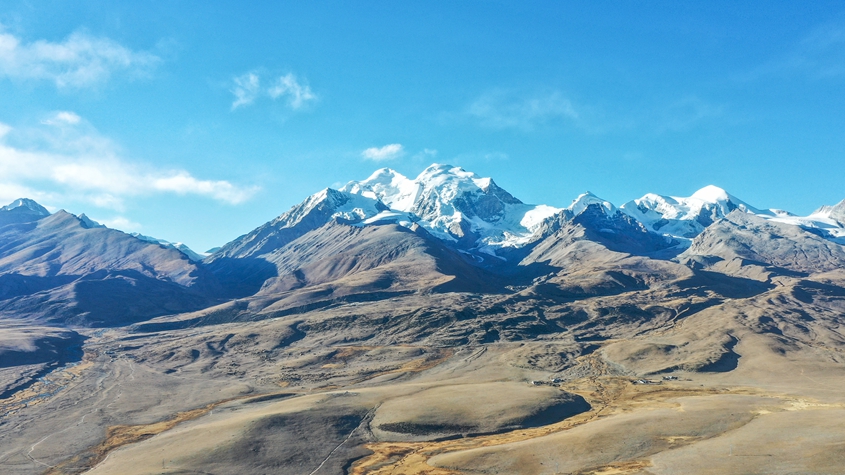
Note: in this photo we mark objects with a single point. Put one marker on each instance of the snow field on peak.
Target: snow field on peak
(536, 215)
(434, 200)
(358, 208)
(816, 222)
(28, 204)
(712, 194)
(584, 200)
(390, 187)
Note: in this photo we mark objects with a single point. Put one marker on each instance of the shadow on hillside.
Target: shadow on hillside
(729, 360)
(15, 285)
(725, 285)
(241, 277)
(108, 299)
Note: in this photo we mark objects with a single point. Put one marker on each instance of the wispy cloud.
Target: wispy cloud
(247, 88)
(508, 109)
(380, 154)
(297, 94)
(67, 159)
(822, 53)
(502, 109)
(62, 118)
(80, 61)
(183, 183)
(818, 55)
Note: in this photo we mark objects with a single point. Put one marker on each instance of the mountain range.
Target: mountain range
(475, 215)
(446, 229)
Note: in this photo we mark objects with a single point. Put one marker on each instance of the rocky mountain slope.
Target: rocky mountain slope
(58, 268)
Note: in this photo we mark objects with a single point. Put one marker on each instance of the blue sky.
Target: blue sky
(197, 121)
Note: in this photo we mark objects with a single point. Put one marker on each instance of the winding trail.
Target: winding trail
(365, 420)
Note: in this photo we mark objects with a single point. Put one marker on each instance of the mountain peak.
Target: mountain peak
(835, 212)
(90, 223)
(451, 181)
(388, 186)
(22, 210)
(586, 199)
(384, 174)
(26, 204)
(712, 194)
(686, 217)
(441, 168)
(441, 173)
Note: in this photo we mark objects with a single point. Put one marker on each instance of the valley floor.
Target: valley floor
(228, 399)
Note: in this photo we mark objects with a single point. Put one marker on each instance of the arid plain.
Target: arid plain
(727, 390)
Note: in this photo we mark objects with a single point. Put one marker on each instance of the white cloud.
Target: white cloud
(10, 191)
(297, 93)
(62, 118)
(246, 89)
(183, 183)
(76, 163)
(388, 152)
(501, 109)
(81, 60)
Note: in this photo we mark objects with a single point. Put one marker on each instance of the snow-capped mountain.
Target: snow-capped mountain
(26, 204)
(455, 205)
(450, 203)
(474, 214)
(22, 210)
(584, 200)
(827, 222)
(686, 217)
(317, 210)
(835, 212)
